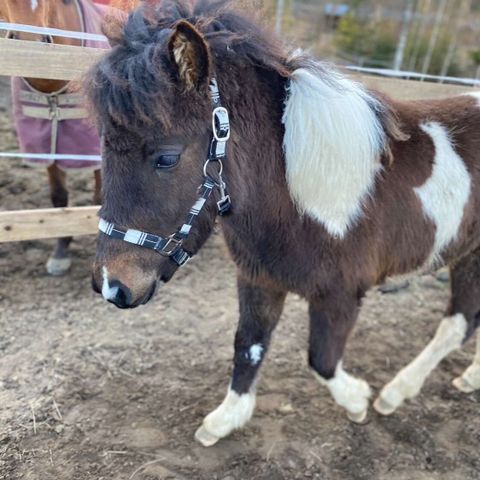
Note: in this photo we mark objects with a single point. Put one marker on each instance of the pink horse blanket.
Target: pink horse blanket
(57, 123)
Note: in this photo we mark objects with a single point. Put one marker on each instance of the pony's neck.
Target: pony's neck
(255, 169)
(317, 139)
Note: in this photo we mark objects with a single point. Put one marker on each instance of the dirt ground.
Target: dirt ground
(89, 392)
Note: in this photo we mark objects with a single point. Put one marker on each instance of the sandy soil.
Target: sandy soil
(91, 392)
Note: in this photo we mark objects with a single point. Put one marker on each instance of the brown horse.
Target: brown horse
(331, 188)
(66, 15)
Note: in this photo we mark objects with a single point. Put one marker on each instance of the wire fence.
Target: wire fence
(54, 32)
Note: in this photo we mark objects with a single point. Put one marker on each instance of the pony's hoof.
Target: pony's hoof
(463, 385)
(383, 407)
(206, 438)
(358, 418)
(58, 266)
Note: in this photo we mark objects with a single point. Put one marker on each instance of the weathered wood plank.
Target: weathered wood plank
(22, 58)
(64, 62)
(22, 225)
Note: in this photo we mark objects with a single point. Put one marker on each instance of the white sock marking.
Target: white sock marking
(234, 412)
(408, 382)
(349, 392)
(333, 141)
(255, 353)
(108, 292)
(446, 192)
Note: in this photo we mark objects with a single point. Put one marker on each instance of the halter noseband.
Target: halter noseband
(172, 246)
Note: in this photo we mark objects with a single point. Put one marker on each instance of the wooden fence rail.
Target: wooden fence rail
(22, 58)
(21, 225)
(63, 62)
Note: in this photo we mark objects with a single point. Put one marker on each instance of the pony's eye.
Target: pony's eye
(166, 161)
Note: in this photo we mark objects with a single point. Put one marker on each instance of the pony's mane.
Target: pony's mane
(124, 86)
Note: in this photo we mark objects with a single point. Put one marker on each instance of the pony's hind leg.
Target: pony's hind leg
(331, 320)
(466, 297)
(459, 324)
(260, 310)
(469, 381)
(59, 262)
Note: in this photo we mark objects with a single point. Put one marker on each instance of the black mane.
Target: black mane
(124, 86)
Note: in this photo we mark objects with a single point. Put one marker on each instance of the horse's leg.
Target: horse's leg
(59, 262)
(470, 379)
(331, 320)
(97, 194)
(465, 278)
(260, 309)
(459, 324)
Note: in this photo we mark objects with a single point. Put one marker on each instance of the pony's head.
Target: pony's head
(150, 95)
(42, 13)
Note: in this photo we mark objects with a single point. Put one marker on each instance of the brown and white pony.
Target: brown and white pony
(65, 15)
(333, 188)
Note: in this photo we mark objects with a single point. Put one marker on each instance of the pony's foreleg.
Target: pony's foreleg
(331, 320)
(470, 380)
(409, 381)
(59, 262)
(97, 194)
(260, 310)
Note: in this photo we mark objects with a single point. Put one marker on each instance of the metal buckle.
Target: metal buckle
(172, 245)
(224, 205)
(221, 118)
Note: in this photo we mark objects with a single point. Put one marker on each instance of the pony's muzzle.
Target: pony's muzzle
(127, 289)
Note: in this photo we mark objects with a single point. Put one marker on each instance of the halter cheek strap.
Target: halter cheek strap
(172, 246)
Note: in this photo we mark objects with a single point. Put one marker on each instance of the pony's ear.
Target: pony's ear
(113, 24)
(189, 53)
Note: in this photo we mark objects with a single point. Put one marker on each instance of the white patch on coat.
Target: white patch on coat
(408, 382)
(446, 192)
(349, 392)
(109, 293)
(333, 142)
(255, 353)
(474, 95)
(233, 413)
(34, 4)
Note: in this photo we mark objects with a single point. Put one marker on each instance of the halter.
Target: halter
(172, 246)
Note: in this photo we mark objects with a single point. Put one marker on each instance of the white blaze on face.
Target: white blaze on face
(34, 4)
(446, 192)
(109, 293)
(333, 141)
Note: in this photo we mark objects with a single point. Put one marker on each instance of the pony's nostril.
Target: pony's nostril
(121, 295)
(120, 299)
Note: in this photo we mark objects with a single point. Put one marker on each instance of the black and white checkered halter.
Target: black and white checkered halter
(172, 246)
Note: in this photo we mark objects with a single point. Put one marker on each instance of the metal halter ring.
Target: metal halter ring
(205, 173)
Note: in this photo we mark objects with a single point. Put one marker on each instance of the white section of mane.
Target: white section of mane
(333, 143)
